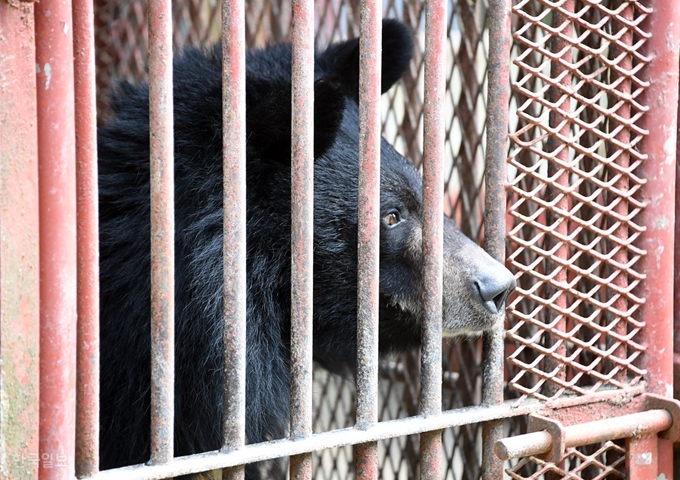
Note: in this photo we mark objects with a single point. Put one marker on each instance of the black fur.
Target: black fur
(125, 248)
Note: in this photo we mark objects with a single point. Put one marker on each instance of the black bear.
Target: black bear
(475, 285)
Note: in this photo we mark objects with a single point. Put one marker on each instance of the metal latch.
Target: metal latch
(548, 438)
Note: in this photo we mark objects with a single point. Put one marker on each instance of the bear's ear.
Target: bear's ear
(269, 122)
(342, 59)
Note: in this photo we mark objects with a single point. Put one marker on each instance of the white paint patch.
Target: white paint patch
(669, 149)
(48, 75)
(660, 223)
(655, 199)
(64, 27)
(643, 458)
(658, 252)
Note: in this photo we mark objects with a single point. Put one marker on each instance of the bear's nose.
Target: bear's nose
(493, 288)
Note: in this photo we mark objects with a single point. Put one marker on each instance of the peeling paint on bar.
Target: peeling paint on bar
(368, 248)
(433, 233)
(162, 231)
(662, 125)
(498, 18)
(58, 257)
(19, 245)
(87, 419)
(234, 230)
(302, 232)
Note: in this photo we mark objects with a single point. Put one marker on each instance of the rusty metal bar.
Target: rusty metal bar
(642, 459)
(368, 250)
(302, 232)
(336, 438)
(498, 67)
(234, 229)
(676, 282)
(87, 405)
(628, 426)
(658, 216)
(19, 251)
(433, 213)
(162, 231)
(58, 271)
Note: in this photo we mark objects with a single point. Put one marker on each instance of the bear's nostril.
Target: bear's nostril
(494, 288)
(499, 300)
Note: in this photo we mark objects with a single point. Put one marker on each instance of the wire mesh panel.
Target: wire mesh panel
(601, 462)
(574, 209)
(574, 196)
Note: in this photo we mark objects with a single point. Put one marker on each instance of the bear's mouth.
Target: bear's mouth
(464, 332)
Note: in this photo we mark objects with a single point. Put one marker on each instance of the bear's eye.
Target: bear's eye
(391, 219)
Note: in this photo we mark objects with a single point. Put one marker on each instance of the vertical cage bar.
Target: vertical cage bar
(557, 152)
(676, 278)
(58, 272)
(19, 251)
(87, 405)
(302, 231)
(368, 248)
(234, 234)
(659, 194)
(162, 231)
(498, 68)
(433, 215)
(620, 305)
(642, 460)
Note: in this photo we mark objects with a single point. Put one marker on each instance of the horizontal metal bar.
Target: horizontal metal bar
(348, 436)
(627, 426)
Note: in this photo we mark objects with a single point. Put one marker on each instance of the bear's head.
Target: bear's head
(475, 285)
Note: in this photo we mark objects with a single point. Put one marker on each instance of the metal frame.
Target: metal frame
(19, 252)
(58, 251)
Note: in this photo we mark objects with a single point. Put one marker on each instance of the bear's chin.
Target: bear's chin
(474, 327)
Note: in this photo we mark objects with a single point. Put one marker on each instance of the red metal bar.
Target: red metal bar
(498, 17)
(87, 418)
(19, 267)
(676, 283)
(621, 208)
(162, 231)
(58, 273)
(658, 216)
(433, 240)
(558, 154)
(302, 232)
(642, 459)
(368, 252)
(234, 234)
